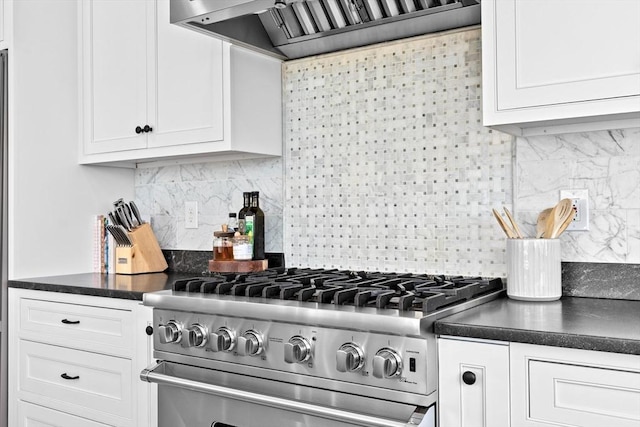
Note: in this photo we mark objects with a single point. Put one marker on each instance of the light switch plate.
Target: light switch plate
(580, 202)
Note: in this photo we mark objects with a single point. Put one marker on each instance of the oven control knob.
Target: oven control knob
(170, 332)
(297, 350)
(387, 363)
(250, 344)
(224, 339)
(349, 358)
(196, 336)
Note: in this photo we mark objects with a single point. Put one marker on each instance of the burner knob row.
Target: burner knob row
(297, 350)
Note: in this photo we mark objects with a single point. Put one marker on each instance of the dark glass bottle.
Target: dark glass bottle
(243, 212)
(257, 219)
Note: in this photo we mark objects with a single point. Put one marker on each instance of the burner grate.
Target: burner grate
(426, 293)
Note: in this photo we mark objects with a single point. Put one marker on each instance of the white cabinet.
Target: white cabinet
(473, 383)
(152, 90)
(551, 67)
(553, 386)
(76, 359)
(524, 385)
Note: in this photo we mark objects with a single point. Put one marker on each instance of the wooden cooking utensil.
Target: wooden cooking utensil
(557, 217)
(505, 227)
(541, 223)
(567, 221)
(513, 223)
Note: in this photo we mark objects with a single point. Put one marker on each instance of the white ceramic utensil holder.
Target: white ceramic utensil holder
(533, 269)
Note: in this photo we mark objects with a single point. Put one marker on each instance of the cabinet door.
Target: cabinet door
(555, 52)
(38, 416)
(187, 82)
(81, 382)
(147, 394)
(473, 383)
(115, 54)
(554, 386)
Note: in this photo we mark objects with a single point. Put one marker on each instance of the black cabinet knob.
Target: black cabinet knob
(149, 330)
(147, 128)
(139, 130)
(469, 378)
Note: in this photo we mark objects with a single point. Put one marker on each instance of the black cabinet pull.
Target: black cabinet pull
(70, 322)
(149, 330)
(67, 377)
(139, 130)
(469, 378)
(147, 128)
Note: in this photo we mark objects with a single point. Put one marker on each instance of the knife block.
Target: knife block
(144, 256)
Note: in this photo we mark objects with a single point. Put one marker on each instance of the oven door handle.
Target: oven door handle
(150, 375)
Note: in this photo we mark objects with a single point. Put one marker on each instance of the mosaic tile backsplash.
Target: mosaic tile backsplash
(387, 167)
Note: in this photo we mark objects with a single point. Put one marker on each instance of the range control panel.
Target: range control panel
(393, 362)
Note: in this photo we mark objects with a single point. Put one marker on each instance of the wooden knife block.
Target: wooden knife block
(145, 256)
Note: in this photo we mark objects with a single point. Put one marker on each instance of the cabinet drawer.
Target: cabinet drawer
(576, 395)
(101, 388)
(98, 329)
(38, 416)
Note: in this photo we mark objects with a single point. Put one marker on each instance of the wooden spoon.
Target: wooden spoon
(567, 221)
(541, 223)
(513, 223)
(557, 217)
(507, 230)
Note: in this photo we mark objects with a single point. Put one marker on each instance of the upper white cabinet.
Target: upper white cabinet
(152, 90)
(551, 67)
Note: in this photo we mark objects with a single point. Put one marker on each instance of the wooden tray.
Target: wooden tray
(238, 266)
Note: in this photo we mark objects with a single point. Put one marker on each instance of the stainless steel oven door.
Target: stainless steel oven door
(191, 396)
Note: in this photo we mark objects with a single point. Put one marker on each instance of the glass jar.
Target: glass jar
(223, 246)
(242, 247)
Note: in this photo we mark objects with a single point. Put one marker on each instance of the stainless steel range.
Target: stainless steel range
(303, 347)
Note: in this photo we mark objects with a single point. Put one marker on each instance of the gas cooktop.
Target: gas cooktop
(404, 292)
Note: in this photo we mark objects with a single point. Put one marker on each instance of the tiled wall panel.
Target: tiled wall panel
(388, 166)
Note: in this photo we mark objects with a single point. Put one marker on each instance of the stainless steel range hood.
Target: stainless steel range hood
(289, 30)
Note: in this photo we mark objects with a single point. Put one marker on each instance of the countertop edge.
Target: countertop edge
(546, 338)
(76, 290)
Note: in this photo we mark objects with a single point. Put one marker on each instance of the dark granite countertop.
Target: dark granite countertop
(584, 323)
(104, 285)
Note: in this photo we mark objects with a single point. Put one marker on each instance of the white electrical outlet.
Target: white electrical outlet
(190, 214)
(580, 202)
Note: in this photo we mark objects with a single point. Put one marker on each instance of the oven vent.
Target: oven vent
(289, 30)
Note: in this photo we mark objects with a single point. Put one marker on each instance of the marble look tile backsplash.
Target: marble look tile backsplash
(607, 164)
(387, 167)
(161, 192)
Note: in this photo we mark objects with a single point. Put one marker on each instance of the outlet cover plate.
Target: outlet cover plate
(580, 202)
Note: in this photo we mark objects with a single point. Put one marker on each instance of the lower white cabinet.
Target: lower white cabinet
(552, 386)
(524, 385)
(29, 415)
(75, 361)
(473, 383)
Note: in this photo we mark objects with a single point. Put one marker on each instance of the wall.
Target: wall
(387, 167)
(52, 199)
